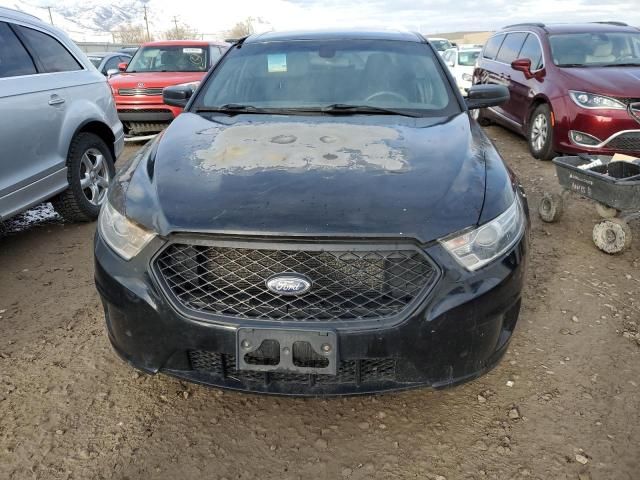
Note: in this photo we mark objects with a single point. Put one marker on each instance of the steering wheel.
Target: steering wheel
(388, 94)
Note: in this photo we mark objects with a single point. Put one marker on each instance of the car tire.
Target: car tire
(89, 170)
(477, 115)
(540, 133)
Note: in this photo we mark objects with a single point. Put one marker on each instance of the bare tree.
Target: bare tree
(181, 32)
(242, 29)
(131, 34)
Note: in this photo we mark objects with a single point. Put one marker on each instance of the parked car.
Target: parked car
(462, 62)
(324, 218)
(59, 131)
(574, 88)
(440, 44)
(131, 51)
(107, 62)
(138, 90)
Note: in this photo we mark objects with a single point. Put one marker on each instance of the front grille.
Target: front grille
(347, 283)
(129, 92)
(353, 372)
(627, 142)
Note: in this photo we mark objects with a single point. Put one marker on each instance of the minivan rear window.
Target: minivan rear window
(493, 45)
(511, 47)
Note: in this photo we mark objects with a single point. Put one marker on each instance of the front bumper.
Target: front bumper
(616, 130)
(459, 331)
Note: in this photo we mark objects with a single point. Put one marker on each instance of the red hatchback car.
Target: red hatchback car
(574, 88)
(138, 89)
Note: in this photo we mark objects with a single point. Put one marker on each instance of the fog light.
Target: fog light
(583, 139)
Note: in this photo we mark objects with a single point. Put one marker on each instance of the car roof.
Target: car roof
(186, 43)
(336, 34)
(556, 28)
(18, 15)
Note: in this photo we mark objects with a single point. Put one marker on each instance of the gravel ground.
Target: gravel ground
(563, 404)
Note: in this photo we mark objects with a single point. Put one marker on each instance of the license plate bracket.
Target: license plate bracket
(297, 351)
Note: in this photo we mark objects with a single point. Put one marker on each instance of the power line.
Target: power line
(50, 16)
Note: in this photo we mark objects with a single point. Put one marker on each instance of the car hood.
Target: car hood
(612, 81)
(154, 79)
(314, 176)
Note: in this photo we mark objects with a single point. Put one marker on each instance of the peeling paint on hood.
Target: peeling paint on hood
(292, 146)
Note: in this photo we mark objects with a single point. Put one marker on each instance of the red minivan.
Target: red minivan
(574, 88)
(138, 89)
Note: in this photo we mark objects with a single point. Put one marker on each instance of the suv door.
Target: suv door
(34, 101)
(489, 71)
(509, 77)
(523, 89)
(30, 124)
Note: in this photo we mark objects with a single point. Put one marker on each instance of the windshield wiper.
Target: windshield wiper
(561, 65)
(234, 108)
(627, 64)
(345, 108)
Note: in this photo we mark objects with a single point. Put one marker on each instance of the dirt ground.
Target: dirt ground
(563, 404)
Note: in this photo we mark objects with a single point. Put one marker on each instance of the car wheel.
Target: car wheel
(540, 133)
(89, 171)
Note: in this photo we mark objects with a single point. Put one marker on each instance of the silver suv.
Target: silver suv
(59, 130)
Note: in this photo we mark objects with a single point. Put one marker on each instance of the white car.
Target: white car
(461, 63)
(440, 44)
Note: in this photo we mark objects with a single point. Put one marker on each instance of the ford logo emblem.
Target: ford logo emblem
(288, 284)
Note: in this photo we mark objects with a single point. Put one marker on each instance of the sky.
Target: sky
(426, 16)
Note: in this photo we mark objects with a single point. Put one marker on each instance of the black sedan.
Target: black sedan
(324, 218)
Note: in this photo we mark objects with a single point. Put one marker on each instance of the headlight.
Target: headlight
(476, 248)
(125, 237)
(589, 100)
(467, 77)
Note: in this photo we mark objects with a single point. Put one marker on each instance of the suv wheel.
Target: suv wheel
(89, 170)
(540, 133)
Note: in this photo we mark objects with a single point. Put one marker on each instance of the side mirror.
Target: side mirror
(523, 65)
(123, 66)
(483, 96)
(450, 63)
(177, 95)
(112, 71)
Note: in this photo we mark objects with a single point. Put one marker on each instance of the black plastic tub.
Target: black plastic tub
(616, 184)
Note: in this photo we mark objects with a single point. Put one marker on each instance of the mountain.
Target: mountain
(89, 20)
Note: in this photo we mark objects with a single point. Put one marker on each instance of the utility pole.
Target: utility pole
(50, 16)
(146, 21)
(175, 20)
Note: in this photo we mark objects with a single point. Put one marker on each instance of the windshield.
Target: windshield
(316, 74)
(468, 58)
(441, 45)
(170, 59)
(96, 61)
(595, 49)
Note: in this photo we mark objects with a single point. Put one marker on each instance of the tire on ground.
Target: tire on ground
(551, 207)
(72, 204)
(612, 236)
(545, 150)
